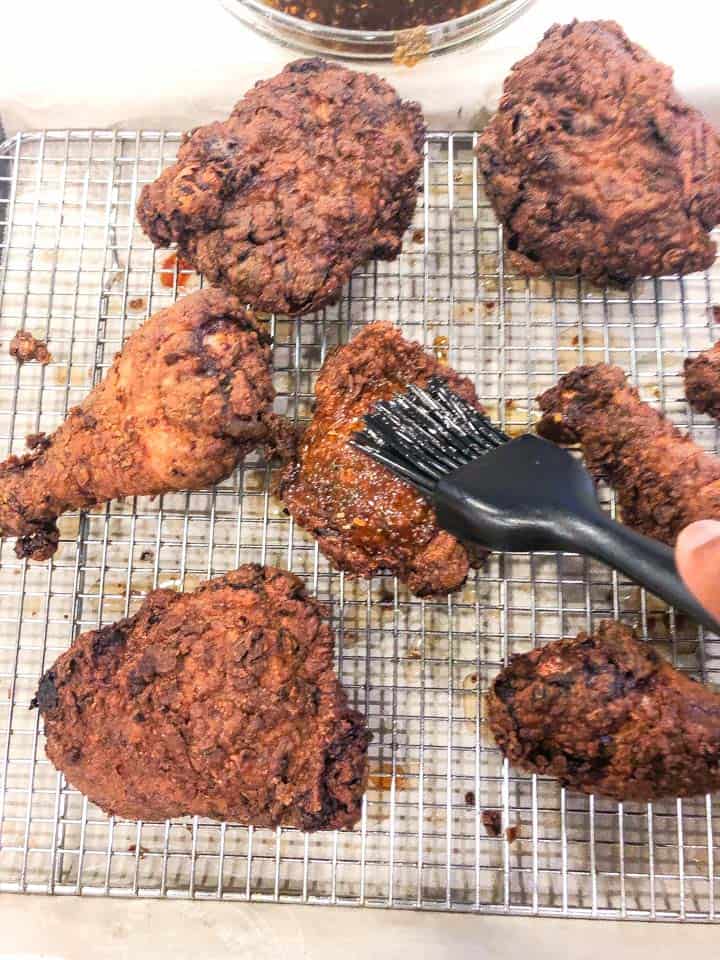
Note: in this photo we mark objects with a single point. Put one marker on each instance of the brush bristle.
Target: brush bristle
(425, 434)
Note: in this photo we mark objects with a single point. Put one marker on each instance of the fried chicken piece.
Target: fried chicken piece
(663, 480)
(24, 347)
(218, 703)
(366, 520)
(605, 714)
(596, 166)
(313, 174)
(702, 381)
(187, 398)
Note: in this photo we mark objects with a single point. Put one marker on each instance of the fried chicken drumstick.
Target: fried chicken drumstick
(663, 480)
(605, 714)
(187, 398)
(314, 173)
(365, 519)
(702, 381)
(596, 166)
(219, 703)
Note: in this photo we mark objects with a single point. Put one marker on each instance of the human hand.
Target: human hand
(697, 555)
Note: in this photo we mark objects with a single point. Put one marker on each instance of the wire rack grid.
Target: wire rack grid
(76, 270)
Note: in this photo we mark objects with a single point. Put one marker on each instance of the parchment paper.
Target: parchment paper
(175, 63)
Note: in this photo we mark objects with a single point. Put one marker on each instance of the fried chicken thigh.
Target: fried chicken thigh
(365, 519)
(663, 480)
(313, 174)
(219, 703)
(187, 398)
(605, 714)
(596, 166)
(702, 381)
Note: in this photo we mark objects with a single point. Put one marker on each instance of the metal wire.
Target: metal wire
(76, 270)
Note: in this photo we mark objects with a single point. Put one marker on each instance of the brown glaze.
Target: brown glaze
(365, 519)
(377, 14)
(174, 271)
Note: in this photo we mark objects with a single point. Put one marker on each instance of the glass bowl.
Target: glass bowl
(401, 46)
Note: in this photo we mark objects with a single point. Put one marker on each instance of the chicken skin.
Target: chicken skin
(702, 381)
(605, 714)
(663, 480)
(596, 166)
(187, 398)
(365, 519)
(220, 703)
(313, 174)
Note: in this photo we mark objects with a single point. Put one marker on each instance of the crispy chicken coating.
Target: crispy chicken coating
(314, 173)
(605, 714)
(24, 347)
(702, 381)
(663, 480)
(219, 703)
(187, 398)
(366, 520)
(596, 166)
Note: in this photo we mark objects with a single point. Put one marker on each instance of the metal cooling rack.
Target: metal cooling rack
(76, 270)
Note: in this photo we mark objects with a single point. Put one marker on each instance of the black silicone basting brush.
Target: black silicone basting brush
(515, 495)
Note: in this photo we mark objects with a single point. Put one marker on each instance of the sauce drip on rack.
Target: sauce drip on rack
(377, 14)
(172, 269)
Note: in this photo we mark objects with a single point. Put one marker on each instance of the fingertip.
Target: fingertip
(698, 561)
(698, 535)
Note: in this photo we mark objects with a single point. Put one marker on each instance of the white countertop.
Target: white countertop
(67, 928)
(176, 63)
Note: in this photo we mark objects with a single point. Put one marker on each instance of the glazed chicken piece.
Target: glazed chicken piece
(702, 381)
(595, 164)
(218, 703)
(365, 519)
(313, 174)
(605, 714)
(663, 480)
(187, 398)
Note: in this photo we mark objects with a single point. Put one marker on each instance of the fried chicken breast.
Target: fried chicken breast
(365, 519)
(220, 703)
(595, 164)
(663, 480)
(702, 381)
(187, 398)
(605, 714)
(313, 174)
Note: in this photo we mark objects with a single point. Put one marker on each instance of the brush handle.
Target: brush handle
(644, 560)
(532, 495)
